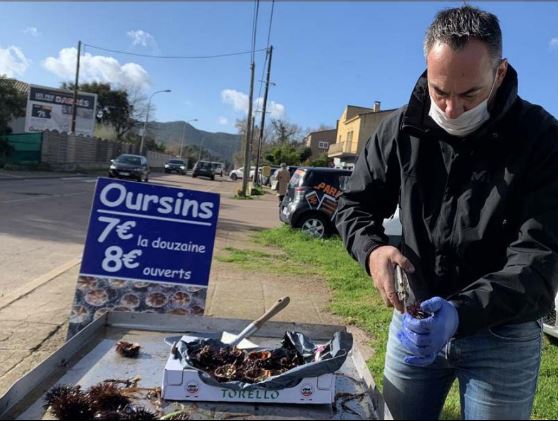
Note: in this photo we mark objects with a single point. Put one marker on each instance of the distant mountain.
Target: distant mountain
(220, 144)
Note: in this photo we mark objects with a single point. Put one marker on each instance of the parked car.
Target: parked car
(175, 165)
(203, 169)
(253, 171)
(218, 168)
(550, 325)
(311, 202)
(130, 166)
(239, 173)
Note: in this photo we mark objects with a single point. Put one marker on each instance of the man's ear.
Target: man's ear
(501, 72)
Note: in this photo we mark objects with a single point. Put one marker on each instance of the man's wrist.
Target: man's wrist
(375, 246)
(456, 318)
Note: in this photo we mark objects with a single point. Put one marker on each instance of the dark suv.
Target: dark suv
(175, 165)
(311, 199)
(204, 169)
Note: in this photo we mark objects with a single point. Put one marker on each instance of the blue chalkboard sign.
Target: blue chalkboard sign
(148, 232)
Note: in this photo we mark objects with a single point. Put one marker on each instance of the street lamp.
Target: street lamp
(201, 146)
(147, 117)
(184, 134)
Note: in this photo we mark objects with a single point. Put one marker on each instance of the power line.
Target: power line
(175, 57)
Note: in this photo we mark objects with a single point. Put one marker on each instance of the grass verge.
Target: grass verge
(355, 299)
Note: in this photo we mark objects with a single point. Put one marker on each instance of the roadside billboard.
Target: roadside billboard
(51, 109)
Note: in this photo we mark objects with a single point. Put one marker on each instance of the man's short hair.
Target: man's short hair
(455, 27)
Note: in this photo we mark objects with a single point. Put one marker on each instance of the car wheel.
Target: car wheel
(146, 178)
(315, 225)
(234, 177)
(213, 178)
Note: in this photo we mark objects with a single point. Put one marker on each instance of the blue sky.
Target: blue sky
(326, 54)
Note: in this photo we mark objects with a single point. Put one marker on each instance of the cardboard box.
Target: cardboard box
(186, 385)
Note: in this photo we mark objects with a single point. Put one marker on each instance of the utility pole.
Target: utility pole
(247, 150)
(74, 105)
(262, 124)
(184, 134)
(182, 139)
(254, 127)
(147, 118)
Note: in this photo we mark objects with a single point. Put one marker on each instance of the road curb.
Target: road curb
(38, 282)
(46, 177)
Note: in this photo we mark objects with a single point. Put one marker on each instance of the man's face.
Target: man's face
(460, 80)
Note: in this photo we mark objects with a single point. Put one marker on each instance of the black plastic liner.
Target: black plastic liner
(318, 360)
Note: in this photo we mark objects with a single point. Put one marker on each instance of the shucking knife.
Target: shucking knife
(406, 295)
(403, 289)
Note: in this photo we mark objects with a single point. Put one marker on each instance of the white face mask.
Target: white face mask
(467, 122)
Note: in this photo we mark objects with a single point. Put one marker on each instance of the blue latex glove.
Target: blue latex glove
(426, 338)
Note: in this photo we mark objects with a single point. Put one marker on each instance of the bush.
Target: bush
(257, 191)
(5, 148)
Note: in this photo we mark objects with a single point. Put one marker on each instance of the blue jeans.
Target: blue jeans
(497, 370)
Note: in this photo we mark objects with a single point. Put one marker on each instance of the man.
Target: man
(474, 170)
(283, 178)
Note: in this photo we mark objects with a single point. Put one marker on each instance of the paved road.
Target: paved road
(44, 221)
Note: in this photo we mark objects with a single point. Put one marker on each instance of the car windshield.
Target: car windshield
(204, 165)
(176, 161)
(128, 159)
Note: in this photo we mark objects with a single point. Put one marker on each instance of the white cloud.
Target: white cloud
(31, 30)
(275, 109)
(223, 120)
(13, 62)
(98, 69)
(554, 43)
(239, 101)
(142, 38)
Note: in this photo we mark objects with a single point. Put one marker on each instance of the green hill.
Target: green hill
(224, 145)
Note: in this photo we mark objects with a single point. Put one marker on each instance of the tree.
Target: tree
(322, 161)
(285, 132)
(284, 153)
(113, 106)
(304, 152)
(12, 104)
(322, 127)
(152, 145)
(241, 126)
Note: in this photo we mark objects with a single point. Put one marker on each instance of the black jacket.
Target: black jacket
(479, 214)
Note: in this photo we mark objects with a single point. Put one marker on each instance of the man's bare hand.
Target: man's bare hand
(382, 263)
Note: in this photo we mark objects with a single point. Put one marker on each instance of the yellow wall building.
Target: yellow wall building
(355, 126)
(320, 141)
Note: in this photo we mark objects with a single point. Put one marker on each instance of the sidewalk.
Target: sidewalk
(34, 326)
